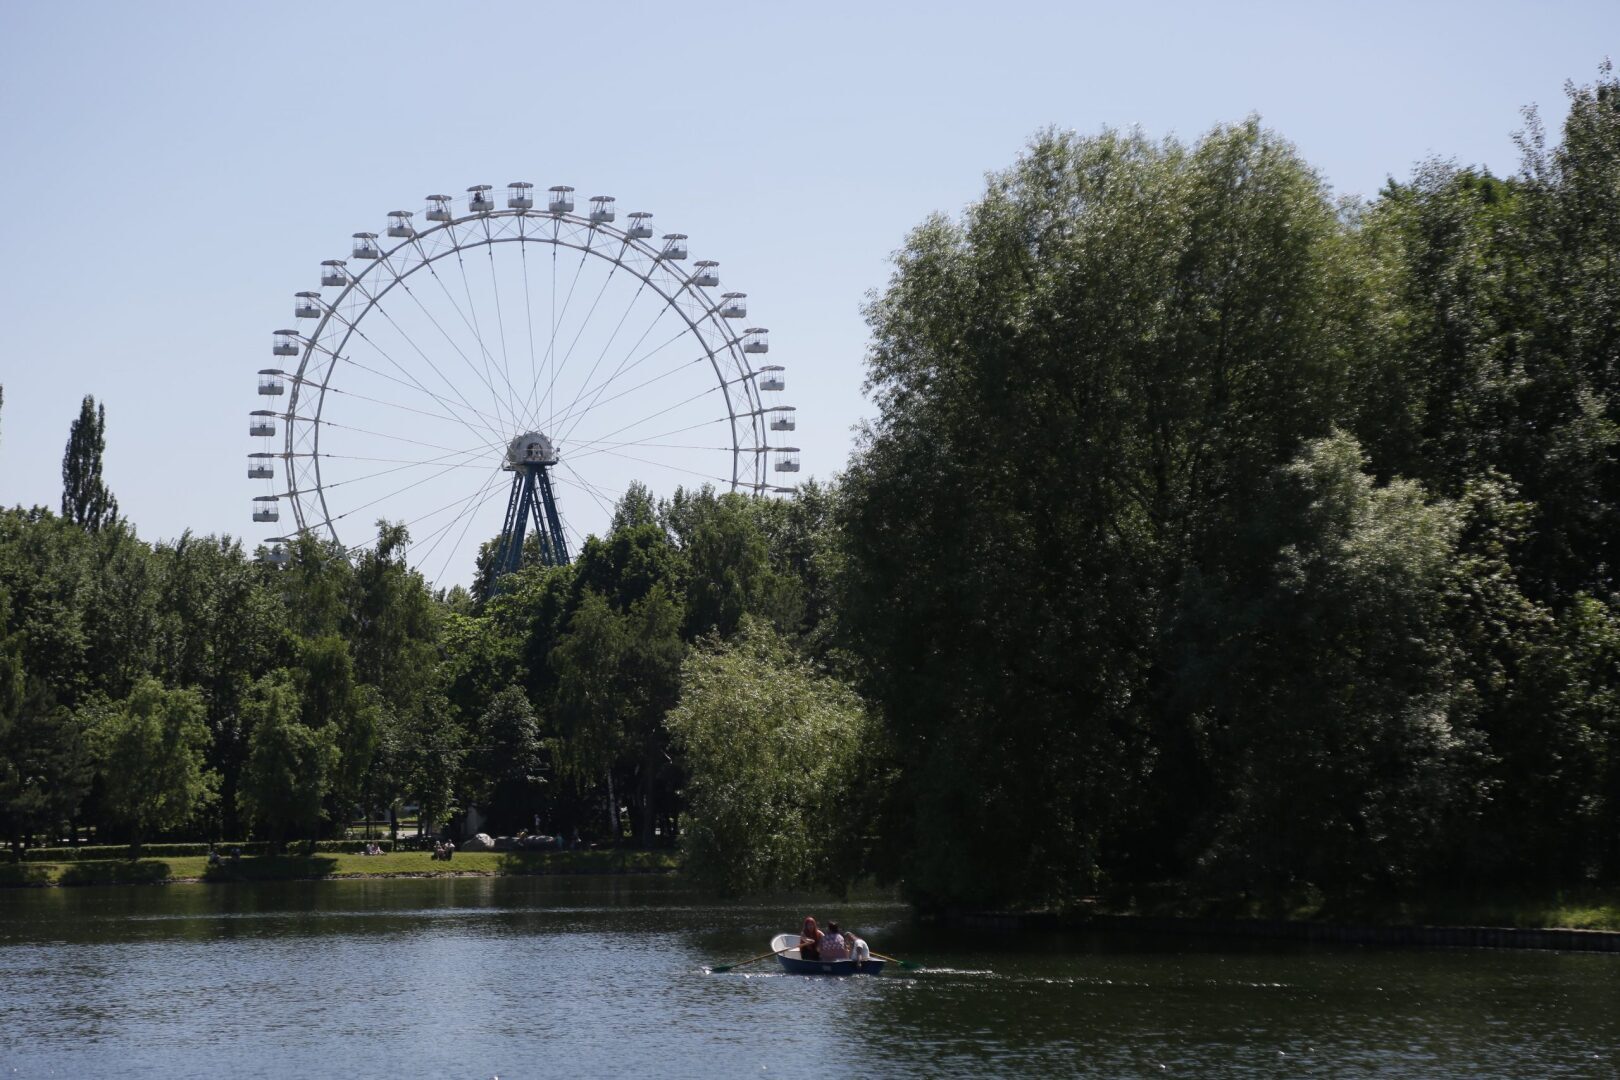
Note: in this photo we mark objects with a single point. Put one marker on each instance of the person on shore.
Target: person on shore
(810, 940)
(449, 850)
(832, 945)
(213, 855)
(438, 851)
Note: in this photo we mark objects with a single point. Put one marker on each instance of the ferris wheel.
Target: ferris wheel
(495, 347)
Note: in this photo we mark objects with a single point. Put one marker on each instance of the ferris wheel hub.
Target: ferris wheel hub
(530, 448)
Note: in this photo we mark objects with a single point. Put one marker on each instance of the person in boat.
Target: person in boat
(810, 940)
(858, 950)
(832, 945)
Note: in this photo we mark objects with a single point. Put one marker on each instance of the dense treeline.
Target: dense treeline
(1214, 531)
(1210, 530)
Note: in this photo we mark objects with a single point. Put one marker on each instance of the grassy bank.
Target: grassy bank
(1584, 908)
(314, 867)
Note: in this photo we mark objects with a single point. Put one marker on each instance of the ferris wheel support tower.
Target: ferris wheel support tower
(530, 459)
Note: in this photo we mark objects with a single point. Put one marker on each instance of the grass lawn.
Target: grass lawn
(294, 867)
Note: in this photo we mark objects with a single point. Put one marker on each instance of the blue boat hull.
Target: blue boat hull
(794, 966)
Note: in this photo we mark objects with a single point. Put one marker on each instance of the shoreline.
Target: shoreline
(1554, 938)
(194, 870)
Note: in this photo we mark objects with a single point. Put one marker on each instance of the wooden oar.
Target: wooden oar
(905, 965)
(750, 960)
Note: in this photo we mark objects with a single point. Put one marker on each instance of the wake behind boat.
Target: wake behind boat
(786, 948)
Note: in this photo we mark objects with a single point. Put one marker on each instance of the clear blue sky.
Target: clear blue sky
(172, 173)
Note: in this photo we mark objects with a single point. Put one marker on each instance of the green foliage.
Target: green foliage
(1341, 735)
(150, 751)
(291, 766)
(85, 499)
(778, 767)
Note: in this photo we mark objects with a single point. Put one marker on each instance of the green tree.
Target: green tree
(151, 754)
(618, 675)
(1083, 388)
(1342, 737)
(85, 499)
(779, 761)
(290, 767)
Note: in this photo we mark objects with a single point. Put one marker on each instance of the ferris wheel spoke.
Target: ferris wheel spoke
(375, 302)
(402, 466)
(393, 438)
(606, 281)
(585, 485)
(392, 494)
(483, 376)
(500, 321)
(488, 444)
(489, 434)
(603, 440)
(473, 324)
(602, 354)
(665, 465)
(624, 368)
(465, 516)
(552, 364)
(642, 386)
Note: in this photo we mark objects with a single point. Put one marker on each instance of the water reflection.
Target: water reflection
(598, 976)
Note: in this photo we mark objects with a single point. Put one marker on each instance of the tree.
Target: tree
(778, 760)
(1083, 388)
(1341, 734)
(290, 766)
(618, 674)
(151, 754)
(85, 499)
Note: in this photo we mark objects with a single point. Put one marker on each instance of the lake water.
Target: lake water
(525, 977)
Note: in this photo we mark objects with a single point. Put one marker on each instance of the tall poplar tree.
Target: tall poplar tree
(85, 499)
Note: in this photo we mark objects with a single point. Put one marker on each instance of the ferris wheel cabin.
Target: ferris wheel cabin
(784, 420)
(674, 247)
(286, 343)
(479, 200)
(770, 377)
(755, 340)
(787, 459)
(265, 509)
(640, 225)
(399, 224)
(520, 195)
(734, 305)
(263, 424)
(270, 384)
(706, 272)
(332, 272)
(307, 305)
(259, 467)
(365, 246)
(562, 199)
(601, 209)
(438, 208)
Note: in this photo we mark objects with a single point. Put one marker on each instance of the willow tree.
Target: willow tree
(1082, 387)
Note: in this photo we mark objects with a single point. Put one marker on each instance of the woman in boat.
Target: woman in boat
(832, 944)
(810, 940)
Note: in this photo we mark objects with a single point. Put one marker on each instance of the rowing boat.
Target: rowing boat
(786, 948)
